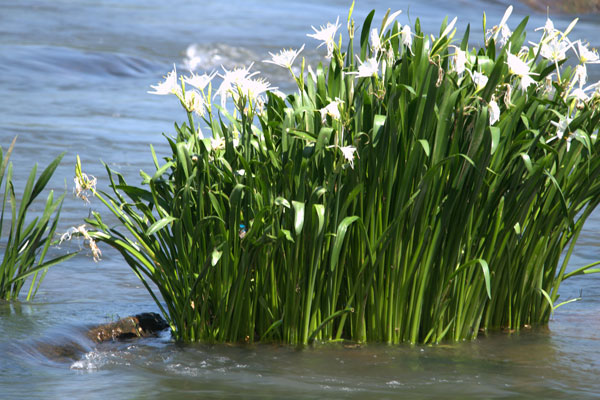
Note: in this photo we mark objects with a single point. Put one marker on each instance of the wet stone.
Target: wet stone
(141, 325)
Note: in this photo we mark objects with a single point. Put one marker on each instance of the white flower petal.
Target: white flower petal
(168, 86)
(460, 60)
(326, 34)
(348, 152)
(587, 56)
(375, 41)
(285, 58)
(406, 36)
(199, 81)
(367, 68)
(494, 112)
(480, 80)
(517, 66)
(332, 109)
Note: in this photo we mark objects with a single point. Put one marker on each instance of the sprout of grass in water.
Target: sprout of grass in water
(26, 240)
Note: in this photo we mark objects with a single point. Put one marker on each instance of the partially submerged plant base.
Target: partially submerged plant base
(414, 191)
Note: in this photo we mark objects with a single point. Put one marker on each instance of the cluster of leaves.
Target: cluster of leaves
(28, 241)
(391, 198)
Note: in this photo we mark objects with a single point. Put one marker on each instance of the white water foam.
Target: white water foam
(208, 57)
(91, 361)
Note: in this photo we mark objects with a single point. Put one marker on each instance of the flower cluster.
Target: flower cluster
(192, 100)
(238, 83)
(523, 66)
(247, 90)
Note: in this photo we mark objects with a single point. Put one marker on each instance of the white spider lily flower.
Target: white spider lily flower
(407, 36)
(285, 58)
(555, 50)
(561, 127)
(391, 18)
(332, 109)
(494, 112)
(199, 81)
(460, 60)
(217, 143)
(517, 66)
(548, 27)
(479, 79)
(326, 34)
(367, 68)
(449, 28)
(168, 86)
(254, 88)
(194, 102)
(587, 56)
(348, 152)
(581, 93)
(375, 41)
(493, 32)
(231, 82)
(83, 185)
(505, 34)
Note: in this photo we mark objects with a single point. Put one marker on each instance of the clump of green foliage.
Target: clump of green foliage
(413, 190)
(28, 240)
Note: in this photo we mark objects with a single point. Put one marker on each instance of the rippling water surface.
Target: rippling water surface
(74, 76)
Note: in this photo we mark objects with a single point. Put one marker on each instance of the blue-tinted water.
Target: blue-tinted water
(74, 77)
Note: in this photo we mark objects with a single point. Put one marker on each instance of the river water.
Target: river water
(74, 76)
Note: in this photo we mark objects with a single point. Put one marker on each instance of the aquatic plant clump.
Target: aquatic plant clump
(25, 240)
(414, 189)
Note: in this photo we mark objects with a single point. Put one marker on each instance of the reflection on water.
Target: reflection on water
(74, 76)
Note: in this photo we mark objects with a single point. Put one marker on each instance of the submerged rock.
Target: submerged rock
(68, 346)
(141, 325)
(57, 350)
(565, 7)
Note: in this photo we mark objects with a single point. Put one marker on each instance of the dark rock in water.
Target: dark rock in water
(565, 7)
(141, 325)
